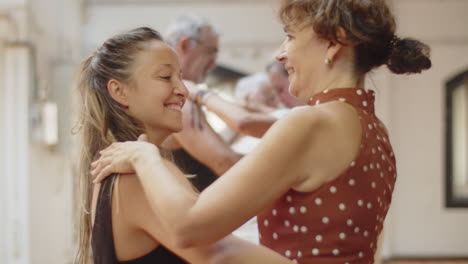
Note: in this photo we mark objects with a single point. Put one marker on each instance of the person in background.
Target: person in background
(255, 119)
(255, 93)
(197, 149)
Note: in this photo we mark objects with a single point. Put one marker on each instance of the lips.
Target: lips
(175, 105)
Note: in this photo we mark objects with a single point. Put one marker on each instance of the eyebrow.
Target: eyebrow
(164, 66)
(167, 65)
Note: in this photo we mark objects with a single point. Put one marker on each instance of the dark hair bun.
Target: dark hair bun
(409, 56)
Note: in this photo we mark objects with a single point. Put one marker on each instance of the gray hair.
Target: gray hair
(188, 26)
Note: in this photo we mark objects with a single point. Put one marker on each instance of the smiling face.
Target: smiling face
(156, 92)
(303, 54)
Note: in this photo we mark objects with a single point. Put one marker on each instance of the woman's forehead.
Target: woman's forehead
(159, 55)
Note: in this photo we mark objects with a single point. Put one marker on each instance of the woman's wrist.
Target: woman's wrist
(142, 158)
(207, 96)
(200, 95)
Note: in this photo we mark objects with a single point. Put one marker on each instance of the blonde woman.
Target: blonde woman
(131, 85)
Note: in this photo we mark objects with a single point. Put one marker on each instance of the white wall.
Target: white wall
(250, 30)
(14, 177)
(12, 3)
(2, 161)
(55, 32)
(419, 225)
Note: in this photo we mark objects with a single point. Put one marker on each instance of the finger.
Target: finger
(102, 163)
(103, 174)
(94, 164)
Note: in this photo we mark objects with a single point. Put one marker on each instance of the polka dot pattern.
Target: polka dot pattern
(318, 201)
(315, 251)
(342, 214)
(318, 238)
(342, 236)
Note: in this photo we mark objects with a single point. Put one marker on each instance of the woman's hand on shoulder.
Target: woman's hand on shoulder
(120, 157)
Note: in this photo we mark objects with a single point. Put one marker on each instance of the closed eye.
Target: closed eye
(165, 77)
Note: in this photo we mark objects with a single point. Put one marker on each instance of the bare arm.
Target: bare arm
(204, 143)
(136, 211)
(252, 184)
(254, 124)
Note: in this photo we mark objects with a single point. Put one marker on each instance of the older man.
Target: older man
(198, 149)
(247, 122)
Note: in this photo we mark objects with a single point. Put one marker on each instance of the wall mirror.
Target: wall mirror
(456, 178)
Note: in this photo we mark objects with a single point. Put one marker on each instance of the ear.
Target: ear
(334, 47)
(184, 45)
(118, 92)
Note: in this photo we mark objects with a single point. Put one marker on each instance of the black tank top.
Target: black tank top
(189, 165)
(102, 240)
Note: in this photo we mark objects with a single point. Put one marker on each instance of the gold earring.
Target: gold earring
(327, 61)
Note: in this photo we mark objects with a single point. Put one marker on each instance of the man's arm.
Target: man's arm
(200, 140)
(254, 124)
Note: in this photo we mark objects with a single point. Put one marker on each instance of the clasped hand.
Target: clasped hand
(120, 157)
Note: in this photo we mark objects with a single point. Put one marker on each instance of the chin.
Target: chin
(293, 91)
(176, 129)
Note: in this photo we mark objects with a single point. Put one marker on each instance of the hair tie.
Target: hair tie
(393, 42)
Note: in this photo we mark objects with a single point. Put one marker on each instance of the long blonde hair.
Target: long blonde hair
(103, 120)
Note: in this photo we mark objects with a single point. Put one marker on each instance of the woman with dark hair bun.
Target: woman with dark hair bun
(321, 180)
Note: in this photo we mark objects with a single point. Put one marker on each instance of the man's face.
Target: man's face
(280, 84)
(200, 57)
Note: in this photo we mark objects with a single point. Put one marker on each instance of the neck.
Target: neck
(157, 137)
(339, 75)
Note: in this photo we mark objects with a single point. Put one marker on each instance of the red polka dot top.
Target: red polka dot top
(339, 222)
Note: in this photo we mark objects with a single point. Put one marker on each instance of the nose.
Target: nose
(212, 63)
(281, 55)
(180, 89)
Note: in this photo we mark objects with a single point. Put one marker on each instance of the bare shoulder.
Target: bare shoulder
(132, 204)
(130, 192)
(305, 117)
(296, 130)
(334, 139)
(330, 114)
